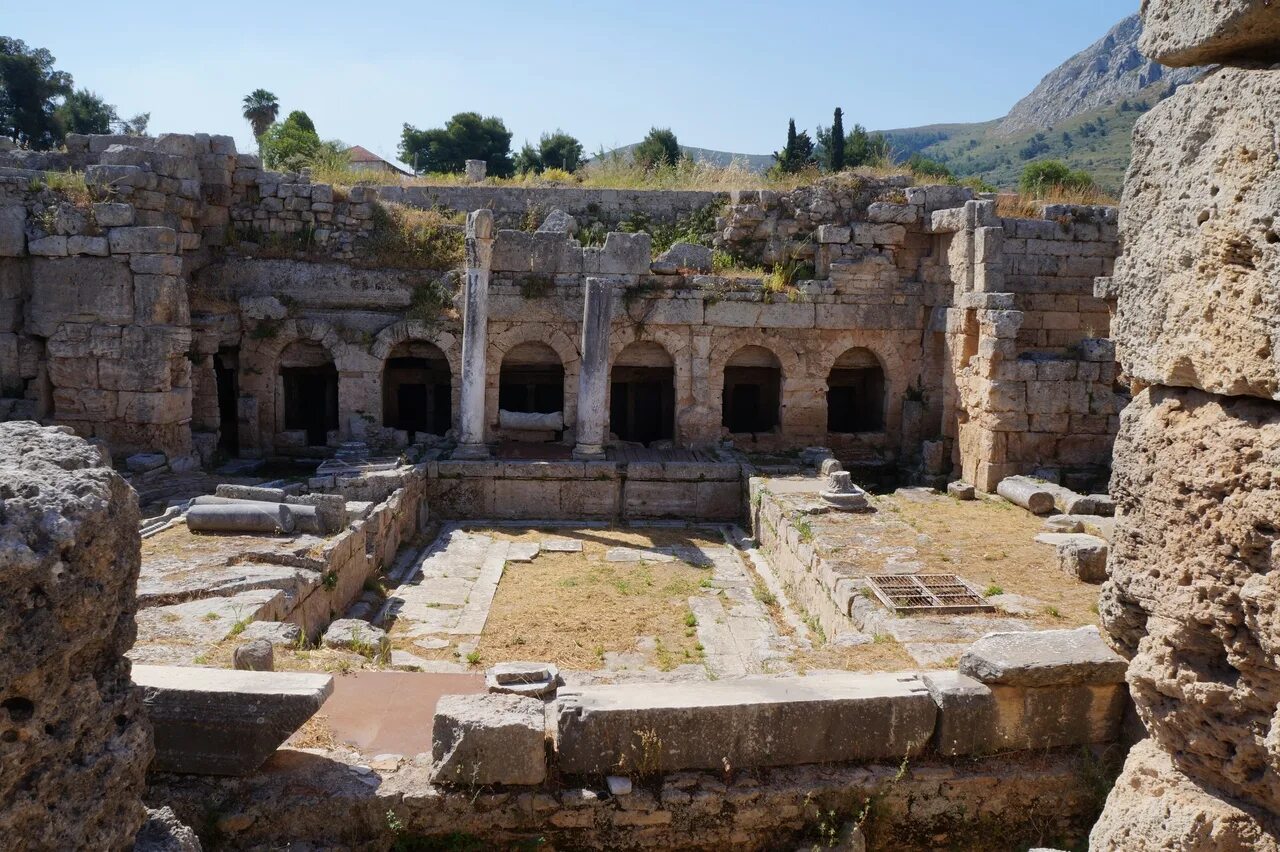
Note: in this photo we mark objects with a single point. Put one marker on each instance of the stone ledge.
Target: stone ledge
(224, 722)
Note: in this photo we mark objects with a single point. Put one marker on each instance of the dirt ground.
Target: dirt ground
(573, 608)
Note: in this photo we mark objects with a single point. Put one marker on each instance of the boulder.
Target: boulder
(352, 634)
(1199, 279)
(559, 222)
(74, 742)
(1195, 32)
(256, 655)
(489, 739)
(683, 259)
(164, 832)
(1083, 557)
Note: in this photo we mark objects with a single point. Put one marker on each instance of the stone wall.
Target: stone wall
(1194, 583)
(576, 490)
(74, 743)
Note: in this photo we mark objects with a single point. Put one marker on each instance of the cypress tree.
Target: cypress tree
(837, 141)
(789, 153)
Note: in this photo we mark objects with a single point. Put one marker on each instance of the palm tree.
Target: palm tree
(260, 110)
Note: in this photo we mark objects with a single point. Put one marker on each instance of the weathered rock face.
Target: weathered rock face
(74, 743)
(1153, 802)
(1178, 33)
(1199, 280)
(1194, 594)
(1194, 589)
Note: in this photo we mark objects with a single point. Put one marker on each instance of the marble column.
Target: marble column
(475, 324)
(593, 378)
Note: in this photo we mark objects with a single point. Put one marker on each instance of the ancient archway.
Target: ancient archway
(752, 391)
(309, 386)
(417, 388)
(642, 393)
(855, 393)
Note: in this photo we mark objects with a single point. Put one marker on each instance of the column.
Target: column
(593, 378)
(475, 324)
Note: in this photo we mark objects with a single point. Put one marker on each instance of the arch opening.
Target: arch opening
(310, 384)
(531, 380)
(752, 393)
(642, 394)
(855, 393)
(226, 378)
(417, 389)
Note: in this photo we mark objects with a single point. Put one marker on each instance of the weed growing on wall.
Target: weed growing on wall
(409, 238)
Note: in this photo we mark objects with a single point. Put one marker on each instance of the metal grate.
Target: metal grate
(927, 593)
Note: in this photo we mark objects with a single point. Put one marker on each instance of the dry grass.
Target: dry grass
(885, 655)
(572, 608)
(314, 733)
(409, 237)
(1015, 205)
(992, 543)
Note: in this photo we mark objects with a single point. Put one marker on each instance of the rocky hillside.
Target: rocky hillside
(1108, 71)
(1082, 114)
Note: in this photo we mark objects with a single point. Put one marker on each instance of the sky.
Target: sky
(722, 75)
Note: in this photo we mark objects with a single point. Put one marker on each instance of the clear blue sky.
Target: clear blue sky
(723, 75)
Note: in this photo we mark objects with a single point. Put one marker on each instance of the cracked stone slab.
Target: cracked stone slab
(562, 545)
(1044, 658)
(523, 551)
(221, 721)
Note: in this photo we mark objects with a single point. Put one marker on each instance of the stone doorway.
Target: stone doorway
(855, 393)
(417, 389)
(309, 384)
(752, 391)
(642, 388)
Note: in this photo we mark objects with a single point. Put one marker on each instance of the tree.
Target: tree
(466, 136)
(136, 125)
(528, 160)
(291, 144)
(82, 111)
(260, 110)
(798, 153)
(658, 148)
(559, 150)
(29, 86)
(837, 141)
(925, 167)
(1048, 175)
(865, 149)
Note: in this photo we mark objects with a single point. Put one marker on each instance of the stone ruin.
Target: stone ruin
(569, 376)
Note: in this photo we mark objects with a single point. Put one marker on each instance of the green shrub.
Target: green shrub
(1049, 175)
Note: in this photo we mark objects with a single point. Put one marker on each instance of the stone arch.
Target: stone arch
(857, 388)
(642, 392)
(394, 339)
(523, 334)
(751, 391)
(796, 384)
(531, 379)
(262, 385)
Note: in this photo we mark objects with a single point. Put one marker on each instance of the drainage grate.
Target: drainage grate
(912, 593)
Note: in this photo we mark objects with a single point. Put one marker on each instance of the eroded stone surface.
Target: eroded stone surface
(1199, 281)
(489, 739)
(1043, 658)
(74, 743)
(1194, 590)
(1180, 33)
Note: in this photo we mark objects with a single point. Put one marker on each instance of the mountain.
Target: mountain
(1081, 113)
(1106, 72)
(754, 162)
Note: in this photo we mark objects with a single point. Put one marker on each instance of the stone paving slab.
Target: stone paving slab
(180, 633)
(561, 545)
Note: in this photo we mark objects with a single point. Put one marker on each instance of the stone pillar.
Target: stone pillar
(475, 324)
(476, 170)
(593, 378)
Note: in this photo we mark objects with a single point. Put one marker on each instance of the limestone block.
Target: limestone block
(1182, 33)
(156, 264)
(683, 259)
(774, 721)
(224, 722)
(160, 300)
(74, 744)
(900, 214)
(112, 214)
(1083, 557)
(1199, 280)
(143, 240)
(253, 655)
(55, 246)
(96, 246)
(489, 739)
(1043, 658)
(1194, 592)
(355, 634)
(833, 234)
(13, 235)
(80, 289)
(737, 314)
(1153, 806)
(622, 254)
